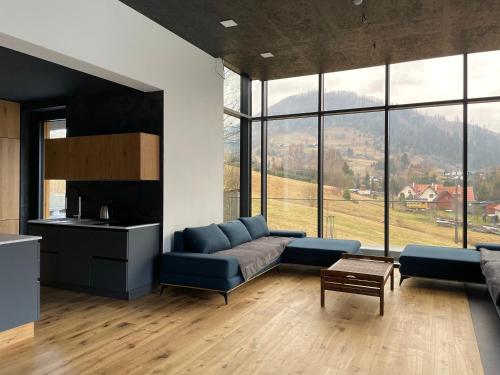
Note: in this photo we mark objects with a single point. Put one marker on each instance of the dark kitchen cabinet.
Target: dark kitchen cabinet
(109, 262)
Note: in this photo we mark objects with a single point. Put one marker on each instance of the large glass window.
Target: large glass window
(231, 168)
(355, 88)
(427, 80)
(484, 173)
(256, 98)
(293, 95)
(232, 85)
(353, 189)
(426, 157)
(484, 77)
(292, 163)
(54, 202)
(426, 187)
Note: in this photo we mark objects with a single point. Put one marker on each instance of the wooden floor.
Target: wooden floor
(274, 325)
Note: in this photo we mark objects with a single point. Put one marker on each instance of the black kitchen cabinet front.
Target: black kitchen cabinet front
(114, 263)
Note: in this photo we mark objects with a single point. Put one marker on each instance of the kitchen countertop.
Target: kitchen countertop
(15, 238)
(90, 223)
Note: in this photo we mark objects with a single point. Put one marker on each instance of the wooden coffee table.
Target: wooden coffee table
(358, 274)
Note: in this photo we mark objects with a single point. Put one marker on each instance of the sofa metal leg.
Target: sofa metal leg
(163, 287)
(403, 278)
(225, 295)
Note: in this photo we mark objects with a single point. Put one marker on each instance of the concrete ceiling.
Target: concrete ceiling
(311, 36)
(26, 78)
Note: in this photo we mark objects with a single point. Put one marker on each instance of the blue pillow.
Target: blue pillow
(207, 239)
(236, 232)
(256, 226)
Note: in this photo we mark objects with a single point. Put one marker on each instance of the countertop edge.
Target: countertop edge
(20, 239)
(104, 227)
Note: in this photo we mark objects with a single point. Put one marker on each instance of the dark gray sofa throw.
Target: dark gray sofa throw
(490, 264)
(255, 255)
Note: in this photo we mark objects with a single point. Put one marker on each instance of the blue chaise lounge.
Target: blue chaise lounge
(199, 259)
(479, 265)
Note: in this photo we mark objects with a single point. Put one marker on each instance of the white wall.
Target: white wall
(110, 40)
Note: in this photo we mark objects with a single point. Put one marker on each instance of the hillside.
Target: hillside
(421, 136)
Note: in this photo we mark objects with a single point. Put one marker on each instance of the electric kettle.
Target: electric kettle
(104, 212)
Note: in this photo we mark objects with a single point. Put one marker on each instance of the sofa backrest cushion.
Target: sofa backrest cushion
(236, 232)
(256, 226)
(178, 245)
(208, 239)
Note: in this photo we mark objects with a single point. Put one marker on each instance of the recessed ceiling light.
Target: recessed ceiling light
(228, 23)
(267, 55)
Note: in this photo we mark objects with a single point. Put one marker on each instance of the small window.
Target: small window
(54, 191)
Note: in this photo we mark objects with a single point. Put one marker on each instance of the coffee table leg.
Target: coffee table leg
(382, 300)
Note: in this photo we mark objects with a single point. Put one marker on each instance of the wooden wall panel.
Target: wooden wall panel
(9, 166)
(9, 226)
(10, 115)
(9, 178)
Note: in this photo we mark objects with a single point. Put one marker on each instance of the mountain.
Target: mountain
(420, 136)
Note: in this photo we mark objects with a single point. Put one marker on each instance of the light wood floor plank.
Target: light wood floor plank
(272, 325)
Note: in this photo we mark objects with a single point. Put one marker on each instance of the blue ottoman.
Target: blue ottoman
(440, 263)
(318, 251)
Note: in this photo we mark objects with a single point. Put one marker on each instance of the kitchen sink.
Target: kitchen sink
(72, 220)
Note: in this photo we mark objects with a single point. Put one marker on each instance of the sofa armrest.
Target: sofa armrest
(206, 265)
(489, 246)
(287, 233)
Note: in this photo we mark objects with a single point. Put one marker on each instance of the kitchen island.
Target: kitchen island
(19, 287)
(106, 258)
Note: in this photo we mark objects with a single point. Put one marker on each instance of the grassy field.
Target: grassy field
(361, 218)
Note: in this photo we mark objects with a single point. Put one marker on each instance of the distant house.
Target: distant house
(428, 194)
(489, 209)
(444, 201)
(497, 211)
(408, 192)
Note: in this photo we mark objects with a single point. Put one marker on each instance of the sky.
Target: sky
(411, 82)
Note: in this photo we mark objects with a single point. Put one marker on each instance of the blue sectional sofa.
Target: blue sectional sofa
(194, 262)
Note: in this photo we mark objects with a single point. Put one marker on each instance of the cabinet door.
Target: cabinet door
(73, 266)
(108, 274)
(49, 267)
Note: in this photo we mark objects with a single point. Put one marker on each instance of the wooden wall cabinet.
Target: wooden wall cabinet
(9, 166)
(131, 156)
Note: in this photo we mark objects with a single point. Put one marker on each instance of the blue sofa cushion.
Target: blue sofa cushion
(208, 239)
(287, 233)
(256, 226)
(236, 232)
(441, 263)
(318, 251)
(205, 265)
